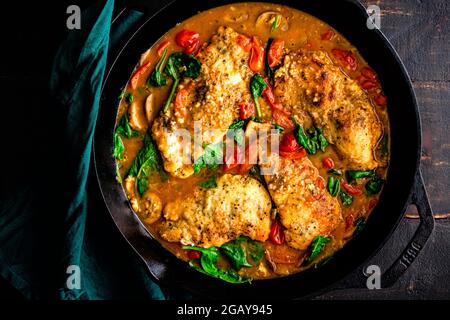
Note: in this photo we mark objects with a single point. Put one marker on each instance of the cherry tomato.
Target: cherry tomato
(380, 99)
(353, 191)
(293, 155)
(327, 35)
(328, 163)
(268, 94)
(188, 40)
(230, 162)
(135, 77)
(282, 119)
(193, 254)
(163, 45)
(349, 221)
(246, 110)
(289, 143)
(367, 85)
(276, 234)
(275, 53)
(245, 42)
(369, 73)
(256, 55)
(346, 58)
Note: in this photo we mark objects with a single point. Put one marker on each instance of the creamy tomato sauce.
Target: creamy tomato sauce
(298, 31)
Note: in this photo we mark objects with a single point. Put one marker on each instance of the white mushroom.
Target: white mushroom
(137, 117)
(268, 17)
(149, 107)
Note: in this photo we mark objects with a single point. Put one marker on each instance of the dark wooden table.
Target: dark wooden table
(418, 29)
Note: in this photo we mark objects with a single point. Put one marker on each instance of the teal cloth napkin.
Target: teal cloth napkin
(47, 222)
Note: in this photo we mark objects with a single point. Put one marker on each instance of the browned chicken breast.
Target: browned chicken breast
(239, 205)
(305, 207)
(212, 98)
(312, 88)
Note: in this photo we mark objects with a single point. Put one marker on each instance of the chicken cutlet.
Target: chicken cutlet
(239, 205)
(212, 98)
(305, 207)
(317, 92)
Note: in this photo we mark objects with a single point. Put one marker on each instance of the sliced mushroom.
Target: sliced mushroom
(237, 18)
(149, 108)
(148, 207)
(137, 117)
(268, 17)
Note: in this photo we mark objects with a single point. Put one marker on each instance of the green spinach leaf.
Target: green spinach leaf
(236, 253)
(209, 184)
(157, 78)
(358, 174)
(346, 198)
(122, 129)
(211, 158)
(333, 185)
(148, 160)
(317, 246)
(373, 186)
(257, 86)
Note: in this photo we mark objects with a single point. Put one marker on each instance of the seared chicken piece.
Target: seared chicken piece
(212, 98)
(312, 88)
(239, 205)
(305, 207)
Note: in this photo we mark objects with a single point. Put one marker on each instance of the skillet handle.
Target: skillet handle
(419, 197)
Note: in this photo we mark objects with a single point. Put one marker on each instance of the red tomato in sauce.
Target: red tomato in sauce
(188, 40)
(276, 234)
(275, 53)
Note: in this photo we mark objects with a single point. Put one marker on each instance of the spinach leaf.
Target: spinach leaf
(237, 131)
(257, 86)
(335, 172)
(373, 186)
(278, 127)
(317, 246)
(211, 158)
(208, 265)
(360, 224)
(346, 198)
(157, 78)
(148, 160)
(275, 23)
(333, 185)
(312, 140)
(119, 148)
(358, 174)
(123, 128)
(236, 253)
(256, 250)
(209, 184)
(129, 97)
(180, 65)
(269, 71)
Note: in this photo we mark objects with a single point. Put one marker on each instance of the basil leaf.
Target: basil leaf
(333, 185)
(346, 198)
(157, 78)
(357, 174)
(317, 246)
(311, 140)
(303, 139)
(209, 184)
(360, 224)
(148, 160)
(269, 71)
(208, 265)
(374, 185)
(257, 86)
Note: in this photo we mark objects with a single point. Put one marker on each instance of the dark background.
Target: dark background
(418, 30)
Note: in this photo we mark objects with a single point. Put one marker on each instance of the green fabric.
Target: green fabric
(47, 221)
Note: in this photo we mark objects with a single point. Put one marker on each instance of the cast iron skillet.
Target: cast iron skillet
(404, 183)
